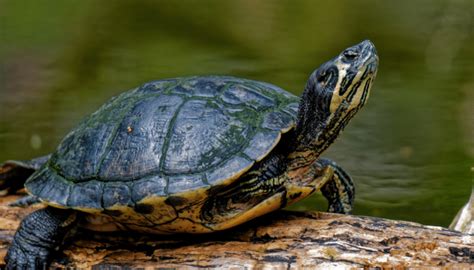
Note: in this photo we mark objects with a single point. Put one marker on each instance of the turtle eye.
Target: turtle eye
(322, 77)
(350, 54)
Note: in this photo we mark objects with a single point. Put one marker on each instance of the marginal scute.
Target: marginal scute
(261, 144)
(116, 193)
(278, 121)
(50, 187)
(182, 183)
(38, 180)
(149, 186)
(232, 168)
(86, 195)
(56, 192)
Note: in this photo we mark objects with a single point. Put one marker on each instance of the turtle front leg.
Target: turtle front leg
(339, 189)
(39, 235)
(325, 175)
(13, 173)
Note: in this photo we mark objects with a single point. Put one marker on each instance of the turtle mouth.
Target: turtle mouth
(373, 64)
(368, 57)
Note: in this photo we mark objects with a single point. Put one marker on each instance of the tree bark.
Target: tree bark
(281, 240)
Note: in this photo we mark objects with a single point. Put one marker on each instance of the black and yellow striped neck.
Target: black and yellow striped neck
(332, 96)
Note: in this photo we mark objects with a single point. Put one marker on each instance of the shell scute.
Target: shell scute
(150, 186)
(201, 138)
(180, 183)
(243, 94)
(277, 121)
(233, 167)
(116, 194)
(49, 185)
(261, 144)
(86, 195)
(156, 86)
(136, 149)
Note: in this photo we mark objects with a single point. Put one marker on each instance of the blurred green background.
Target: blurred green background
(410, 150)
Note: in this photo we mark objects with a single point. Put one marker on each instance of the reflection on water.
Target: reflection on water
(410, 150)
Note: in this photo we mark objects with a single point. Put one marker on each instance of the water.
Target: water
(410, 150)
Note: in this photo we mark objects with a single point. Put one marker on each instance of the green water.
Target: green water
(410, 150)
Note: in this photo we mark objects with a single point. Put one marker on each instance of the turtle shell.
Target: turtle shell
(165, 137)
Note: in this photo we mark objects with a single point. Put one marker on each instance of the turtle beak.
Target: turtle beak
(367, 45)
(368, 48)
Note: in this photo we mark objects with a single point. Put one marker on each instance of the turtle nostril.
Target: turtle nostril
(350, 54)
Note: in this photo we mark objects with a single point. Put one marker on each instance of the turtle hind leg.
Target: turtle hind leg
(13, 173)
(339, 190)
(37, 238)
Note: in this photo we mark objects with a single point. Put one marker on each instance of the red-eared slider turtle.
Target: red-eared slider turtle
(192, 155)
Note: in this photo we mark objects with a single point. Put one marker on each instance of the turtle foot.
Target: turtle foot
(39, 235)
(25, 256)
(339, 191)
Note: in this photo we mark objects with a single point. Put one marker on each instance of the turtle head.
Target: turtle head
(333, 94)
(346, 80)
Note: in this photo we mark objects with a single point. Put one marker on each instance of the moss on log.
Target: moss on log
(281, 240)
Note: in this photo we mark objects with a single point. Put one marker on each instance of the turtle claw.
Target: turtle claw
(26, 257)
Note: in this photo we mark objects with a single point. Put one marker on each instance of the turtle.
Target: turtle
(191, 155)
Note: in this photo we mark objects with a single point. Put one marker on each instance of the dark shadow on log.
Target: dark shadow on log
(281, 240)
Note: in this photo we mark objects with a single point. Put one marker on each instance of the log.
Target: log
(280, 240)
